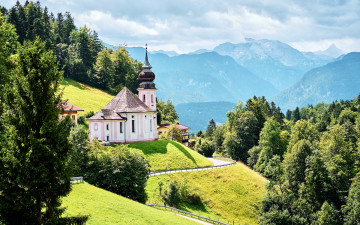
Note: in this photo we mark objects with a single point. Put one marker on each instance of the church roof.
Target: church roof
(124, 102)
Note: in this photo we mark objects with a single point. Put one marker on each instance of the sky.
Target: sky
(184, 26)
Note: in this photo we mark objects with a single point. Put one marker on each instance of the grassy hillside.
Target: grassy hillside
(83, 96)
(233, 193)
(175, 155)
(104, 207)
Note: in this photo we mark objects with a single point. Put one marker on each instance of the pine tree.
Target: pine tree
(296, 114)
(34, 155)
(210, 128)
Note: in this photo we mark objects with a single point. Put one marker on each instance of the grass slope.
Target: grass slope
(233, 193)
(83, 96)
(104, 207)
(176, 155)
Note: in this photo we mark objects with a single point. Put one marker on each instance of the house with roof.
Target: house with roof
(70, 109)
(128, 118)
(184, 130)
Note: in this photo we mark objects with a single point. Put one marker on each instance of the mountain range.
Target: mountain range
(274, 61)
(203, 77)
(334, 81)
(232, 72)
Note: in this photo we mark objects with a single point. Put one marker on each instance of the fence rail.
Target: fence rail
(154, 173)
(188, 214)
(76, 179)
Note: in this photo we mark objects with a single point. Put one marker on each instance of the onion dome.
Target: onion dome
(146, 75)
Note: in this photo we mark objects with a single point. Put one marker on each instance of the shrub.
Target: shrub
(180, 192)
(205, 148)
(81, 120)
(172, 196)
(118, 170)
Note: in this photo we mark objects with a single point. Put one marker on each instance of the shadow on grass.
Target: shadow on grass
(183, 150)
(188, 207)
(153, 147)
(68, 81)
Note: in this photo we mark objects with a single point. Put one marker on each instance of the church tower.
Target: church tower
(147, 90)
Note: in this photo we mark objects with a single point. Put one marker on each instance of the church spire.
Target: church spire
(146, 75)
(146, 63)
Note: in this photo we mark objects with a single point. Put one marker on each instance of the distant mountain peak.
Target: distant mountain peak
(332, 51)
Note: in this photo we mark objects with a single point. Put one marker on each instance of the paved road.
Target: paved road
(216, 162)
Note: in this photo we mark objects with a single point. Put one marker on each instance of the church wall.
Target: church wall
(104, 129)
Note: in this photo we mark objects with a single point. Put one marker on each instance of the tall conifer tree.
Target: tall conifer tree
(35, 151)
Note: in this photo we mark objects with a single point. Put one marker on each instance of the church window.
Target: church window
(133, 126)
(152, 99)
(121, 127)
(107, 138)
(107, 126)
(95, 126)
(143, 98)
(150, 125)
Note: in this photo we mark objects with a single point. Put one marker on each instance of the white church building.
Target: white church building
(127, 118)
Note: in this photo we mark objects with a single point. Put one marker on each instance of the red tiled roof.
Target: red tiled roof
(178, 126)
(67, 106)
(124, 102)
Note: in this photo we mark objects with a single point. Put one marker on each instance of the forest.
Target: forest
(311, 157)
(79, 51)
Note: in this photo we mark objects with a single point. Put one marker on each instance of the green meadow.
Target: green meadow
(231, 193)
(164, 154)
(104, 207)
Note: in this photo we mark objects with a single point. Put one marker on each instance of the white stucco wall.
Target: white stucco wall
(145, 128)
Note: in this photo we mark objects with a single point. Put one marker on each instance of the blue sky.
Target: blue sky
(184, 26)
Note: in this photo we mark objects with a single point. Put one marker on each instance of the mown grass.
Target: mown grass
(231, 193)
(104, 207)
(83, 96)
(164, 154)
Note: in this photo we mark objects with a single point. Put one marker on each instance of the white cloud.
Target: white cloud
(188, 25)
(105, 22)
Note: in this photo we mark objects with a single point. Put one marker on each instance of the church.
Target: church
(128, 118)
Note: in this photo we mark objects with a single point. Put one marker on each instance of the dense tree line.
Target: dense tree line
(79, 51)
(311, 157)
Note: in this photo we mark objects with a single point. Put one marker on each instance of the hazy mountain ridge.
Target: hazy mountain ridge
(273, 61)
(198, 114)
(203, 77)
(332, 51)
(334, 81)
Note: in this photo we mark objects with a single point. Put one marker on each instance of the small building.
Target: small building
(70, 109)
(183, 129)
(128, 118)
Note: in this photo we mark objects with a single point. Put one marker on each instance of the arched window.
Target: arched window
(143, 98)
(152, 99)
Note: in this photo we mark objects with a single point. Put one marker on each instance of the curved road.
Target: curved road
(217, 163)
